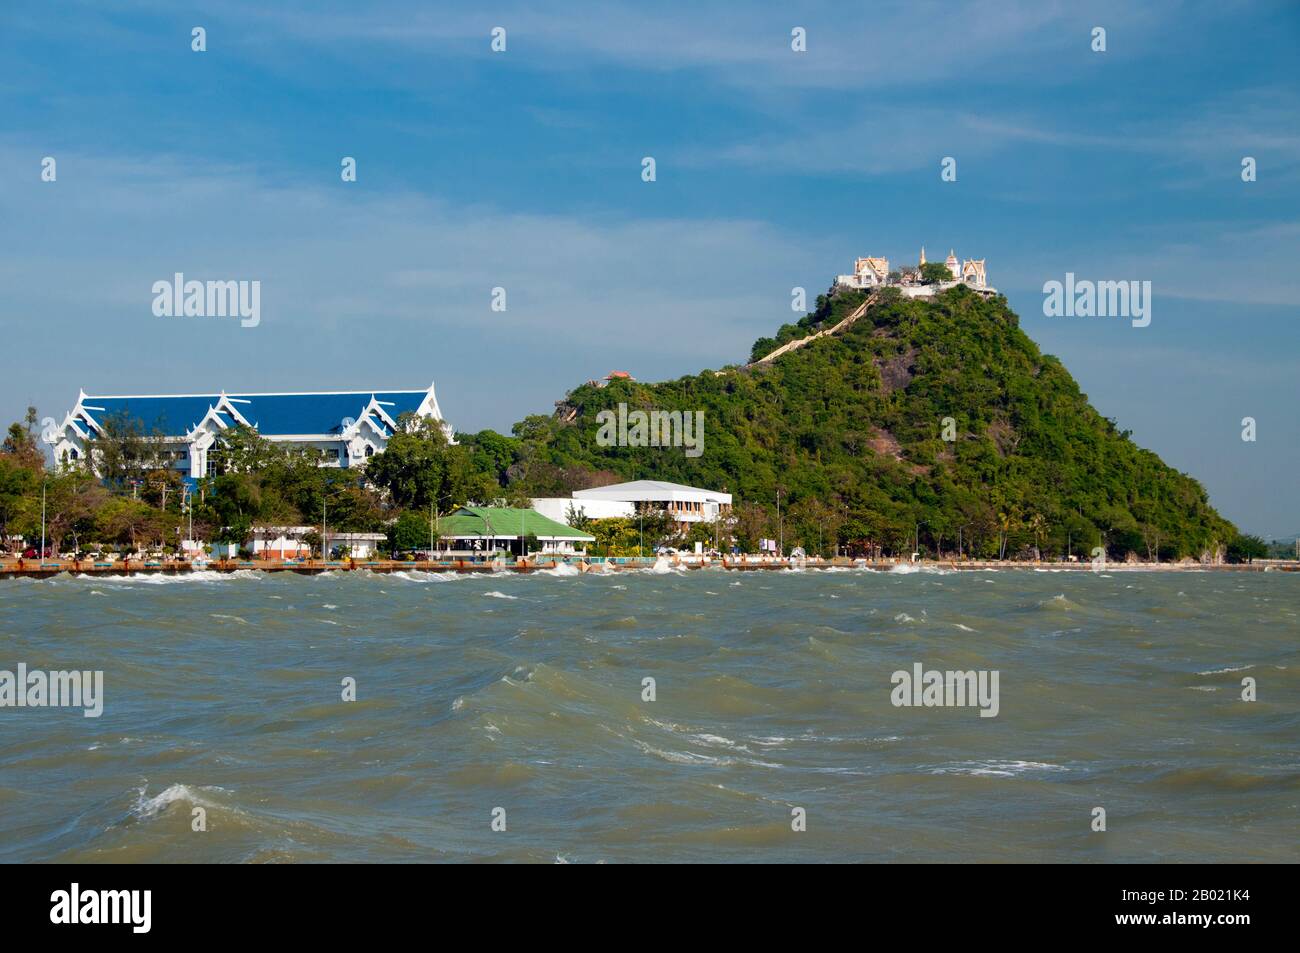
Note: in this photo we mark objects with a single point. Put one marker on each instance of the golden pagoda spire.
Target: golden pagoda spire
(922, 254)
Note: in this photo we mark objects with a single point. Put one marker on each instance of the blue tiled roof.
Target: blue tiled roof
(172, 415)
(273, 414)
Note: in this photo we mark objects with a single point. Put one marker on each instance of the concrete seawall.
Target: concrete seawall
(33, 569)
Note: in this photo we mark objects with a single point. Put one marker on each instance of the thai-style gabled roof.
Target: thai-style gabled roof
(316, 413)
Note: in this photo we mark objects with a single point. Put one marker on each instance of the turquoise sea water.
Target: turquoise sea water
(1119, 690)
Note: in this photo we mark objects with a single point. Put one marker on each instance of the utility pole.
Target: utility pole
(42, 553)
(324, 546)
(780, 527)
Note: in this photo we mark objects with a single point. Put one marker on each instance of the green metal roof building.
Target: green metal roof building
(486, 528)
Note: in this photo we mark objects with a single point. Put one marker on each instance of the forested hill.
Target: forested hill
(850, 428)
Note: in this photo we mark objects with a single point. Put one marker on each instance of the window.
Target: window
(370, 451)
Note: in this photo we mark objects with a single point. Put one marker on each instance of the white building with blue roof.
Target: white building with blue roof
(348, 426)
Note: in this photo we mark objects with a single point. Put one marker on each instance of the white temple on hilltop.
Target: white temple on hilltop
(871, 273)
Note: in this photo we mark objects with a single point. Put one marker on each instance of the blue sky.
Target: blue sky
(775, 169)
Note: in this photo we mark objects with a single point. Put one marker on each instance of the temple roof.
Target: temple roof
(272, 414)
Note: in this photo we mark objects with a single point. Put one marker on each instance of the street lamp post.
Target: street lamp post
(780, 527)
(42, 553)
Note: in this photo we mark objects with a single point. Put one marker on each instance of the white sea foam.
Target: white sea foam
(691, 757)
(561, 569)
(996, 769)
(908, 569)
(158, 579)
(413, 575)
(717, 741)
(499, 595)
(147, 807)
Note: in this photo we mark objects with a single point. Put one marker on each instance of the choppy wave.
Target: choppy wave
(648, 715)
(997, 769)
(147, 808)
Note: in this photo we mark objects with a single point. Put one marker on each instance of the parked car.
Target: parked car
(31, 552)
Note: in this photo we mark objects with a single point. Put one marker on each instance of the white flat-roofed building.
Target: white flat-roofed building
(557, 508)
(281, 542)
(289, 542)
(684, 504)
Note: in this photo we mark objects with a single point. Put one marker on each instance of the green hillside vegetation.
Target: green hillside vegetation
(850, 428)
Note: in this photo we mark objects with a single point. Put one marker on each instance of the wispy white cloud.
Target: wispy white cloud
(884, 45)
(375, 287)
(1201, 146)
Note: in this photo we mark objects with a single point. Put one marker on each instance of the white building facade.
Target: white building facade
(685, 505)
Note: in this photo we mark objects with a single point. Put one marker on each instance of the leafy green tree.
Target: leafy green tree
(20, 445)
(243, 449)
(493, 454)
(410, 531)
(72, 499)
(128, 522)
(18, 485)
(1244, 548)
(124, 451)
(419, 468)
(935, 272)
